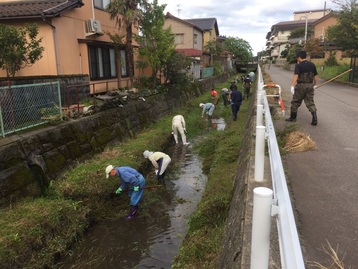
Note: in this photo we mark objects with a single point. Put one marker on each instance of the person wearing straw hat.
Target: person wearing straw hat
(131, 179)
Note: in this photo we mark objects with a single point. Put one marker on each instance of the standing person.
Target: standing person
(233, 85)
(225, 95)
(207, 108)
(214, 96)
(304, 82)
(178, 126)
(236, 100)
(160, 162)
(247, 85)
(252, 76)
(129, 178)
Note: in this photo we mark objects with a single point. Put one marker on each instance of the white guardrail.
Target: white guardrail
(268, 203)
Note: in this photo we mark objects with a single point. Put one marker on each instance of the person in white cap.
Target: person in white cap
(160, 162)
(178, 126)
(132, 179)
(208, 108)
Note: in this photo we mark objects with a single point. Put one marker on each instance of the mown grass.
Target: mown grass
(37, 232)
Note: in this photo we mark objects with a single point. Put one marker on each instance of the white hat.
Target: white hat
(147, 153)
(201, 105)
(109, 168)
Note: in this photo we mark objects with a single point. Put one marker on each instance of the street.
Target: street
(323, 182)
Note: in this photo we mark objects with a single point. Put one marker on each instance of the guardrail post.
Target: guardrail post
(261, 226)
(260, 153)
(259, 97)
(259, 115)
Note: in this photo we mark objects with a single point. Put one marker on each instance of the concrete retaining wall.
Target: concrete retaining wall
(29, 161)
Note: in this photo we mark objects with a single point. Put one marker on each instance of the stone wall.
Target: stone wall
(29, 161)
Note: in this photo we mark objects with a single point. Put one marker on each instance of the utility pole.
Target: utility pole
(178, 9)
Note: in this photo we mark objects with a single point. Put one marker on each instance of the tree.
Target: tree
(292, 53)
(126, 13)
(300, 32)
(313, 47)
(345, 33)
(19, 47)
(214, 49)
(118, 45)
(239, 48)
(175, 70)
(156, 44)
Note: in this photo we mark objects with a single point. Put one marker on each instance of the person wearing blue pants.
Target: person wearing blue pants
(132, 179)
(236, 101)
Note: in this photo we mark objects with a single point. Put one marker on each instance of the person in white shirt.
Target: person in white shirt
(178, 126)
(160, 162)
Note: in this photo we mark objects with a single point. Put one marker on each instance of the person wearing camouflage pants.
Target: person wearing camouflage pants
(304, 83)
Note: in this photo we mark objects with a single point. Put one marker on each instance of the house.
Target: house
(211, 33)
(320, 32)
(189, 39)
(278, 38)
(74, 38)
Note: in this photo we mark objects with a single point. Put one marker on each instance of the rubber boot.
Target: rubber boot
(132, 212)
(292, 117)
(176, 138)
(184, 140)
(314, 118)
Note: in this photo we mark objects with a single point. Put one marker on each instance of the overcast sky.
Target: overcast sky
(246, 19)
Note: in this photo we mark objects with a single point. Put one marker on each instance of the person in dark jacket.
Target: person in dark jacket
(129, 178)
(247, 85)
(236, 100)
(304, 82)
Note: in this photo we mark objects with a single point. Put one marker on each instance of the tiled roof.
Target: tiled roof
(190, 52)
(206, 24)
(36, 8)
(171, 16)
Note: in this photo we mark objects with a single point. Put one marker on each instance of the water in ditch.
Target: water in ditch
(142, 242)
(148, 242)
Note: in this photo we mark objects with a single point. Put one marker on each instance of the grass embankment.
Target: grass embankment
(36, 232)
(330, 72)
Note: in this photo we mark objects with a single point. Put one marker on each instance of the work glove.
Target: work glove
(156, 172)
(292, 90)
(184, 130)
(315, 87)
(119, 190)
(136, 188)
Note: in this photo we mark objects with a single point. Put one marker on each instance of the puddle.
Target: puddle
(147, 242)
(218, 124)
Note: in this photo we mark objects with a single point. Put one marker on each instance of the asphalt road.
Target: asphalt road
(324, 182)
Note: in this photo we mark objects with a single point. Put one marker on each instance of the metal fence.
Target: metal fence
(207, 72)
(26, 106)
(266, 206)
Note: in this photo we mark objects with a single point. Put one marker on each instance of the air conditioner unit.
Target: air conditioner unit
(93, 27)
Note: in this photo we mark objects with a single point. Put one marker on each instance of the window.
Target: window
(179, 39)
(195, 39)
(102, 62)
(101, 3)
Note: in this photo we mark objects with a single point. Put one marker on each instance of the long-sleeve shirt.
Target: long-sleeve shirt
(128, 175)
(156, 156)
(236, 97)
(206, 107)
(177, 121)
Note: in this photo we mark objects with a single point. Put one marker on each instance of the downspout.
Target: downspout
(55, 43)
